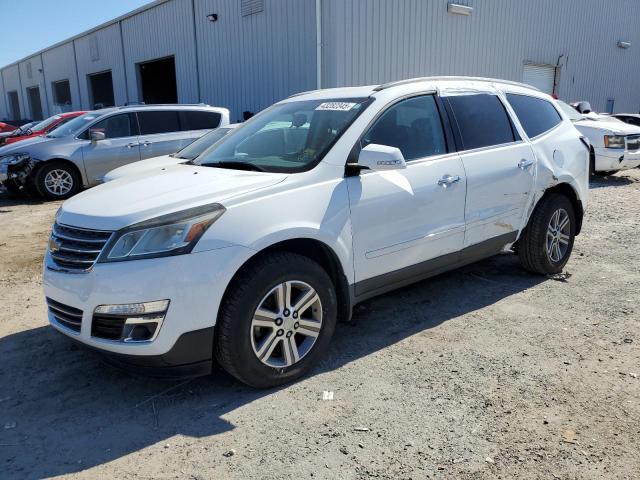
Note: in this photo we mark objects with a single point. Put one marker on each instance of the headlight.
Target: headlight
(13, 159)
(614, 141)
(173, 234)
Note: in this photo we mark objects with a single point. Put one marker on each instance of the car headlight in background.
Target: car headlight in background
(173, 234)
(13, 159)
(614, 141)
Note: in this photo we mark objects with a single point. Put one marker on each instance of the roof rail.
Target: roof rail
(142, 104)
(384, 86)
(300, 93)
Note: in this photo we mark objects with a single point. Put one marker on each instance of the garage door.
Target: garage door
(539, 76)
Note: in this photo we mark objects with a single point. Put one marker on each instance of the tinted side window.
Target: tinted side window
(116, 126)
(158, 121)
(536, 115)
(413, 125)
(482, 120)
(198, 120)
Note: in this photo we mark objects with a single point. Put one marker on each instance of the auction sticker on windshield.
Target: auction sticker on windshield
(339, 106)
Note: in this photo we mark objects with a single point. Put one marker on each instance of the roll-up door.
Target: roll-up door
(539, 76)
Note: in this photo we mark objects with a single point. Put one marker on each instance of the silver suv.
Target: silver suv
(80, 152)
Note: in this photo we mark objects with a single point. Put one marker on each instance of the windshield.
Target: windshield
(571, 112)
(45, 123)
(72, 126)
(195, 148)
(288, 137)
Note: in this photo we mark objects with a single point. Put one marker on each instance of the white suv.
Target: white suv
(252, 253)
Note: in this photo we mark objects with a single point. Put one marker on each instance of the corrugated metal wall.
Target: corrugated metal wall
(11, 78)
(60, 64)
(166, 30)
(98, 52)
(249, 62)
(374, 41)
(32, 75)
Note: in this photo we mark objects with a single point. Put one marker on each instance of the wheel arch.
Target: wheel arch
(568, 191)
(315, 250)
(64, 161)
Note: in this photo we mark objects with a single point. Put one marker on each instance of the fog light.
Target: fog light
(159, 306)
(141, 332)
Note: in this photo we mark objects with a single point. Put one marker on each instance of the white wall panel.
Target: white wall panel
(375, 41)
(162, 31)
(97, 52)
(249, 62)
(32, 75)
(60, 64)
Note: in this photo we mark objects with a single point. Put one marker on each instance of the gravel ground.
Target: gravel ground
(485, 372)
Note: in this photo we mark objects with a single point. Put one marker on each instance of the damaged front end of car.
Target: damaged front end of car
(15, 170)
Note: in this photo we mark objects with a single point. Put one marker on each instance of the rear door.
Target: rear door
(160, 133)
(119, 147)
(499, 166)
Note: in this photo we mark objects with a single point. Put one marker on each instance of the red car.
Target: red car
(5, 127)
(44, 127)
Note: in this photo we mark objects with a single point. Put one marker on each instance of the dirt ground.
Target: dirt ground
(485, 372)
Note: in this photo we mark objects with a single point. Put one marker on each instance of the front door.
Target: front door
(500, 167)
(35, 104)
(407, 222)
(119, 147)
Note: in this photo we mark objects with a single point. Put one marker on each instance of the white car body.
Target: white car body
(150, 165)
(596, 127)
(385, 228)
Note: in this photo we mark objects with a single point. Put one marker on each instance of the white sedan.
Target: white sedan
(187, 154)
(615, 145)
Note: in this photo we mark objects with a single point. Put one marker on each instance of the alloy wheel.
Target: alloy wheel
(558, 235)
(286, 324)
(58, 182)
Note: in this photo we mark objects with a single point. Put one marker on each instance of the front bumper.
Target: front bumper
(609, 160)
(4, 173)
(194, 283)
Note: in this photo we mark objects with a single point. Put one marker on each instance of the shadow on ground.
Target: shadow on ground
(613, 180)
(65, 411)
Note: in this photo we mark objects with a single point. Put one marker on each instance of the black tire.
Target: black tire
(46, 169)
(232, 344)
(532, 249)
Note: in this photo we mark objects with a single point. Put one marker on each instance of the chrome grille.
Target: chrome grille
(66, 316)
(76, 249)
(633, 143)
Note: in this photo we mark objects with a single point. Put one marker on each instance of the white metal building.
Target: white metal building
(247, 54)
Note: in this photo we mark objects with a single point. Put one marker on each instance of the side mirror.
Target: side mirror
(381, 157)
(96, 136)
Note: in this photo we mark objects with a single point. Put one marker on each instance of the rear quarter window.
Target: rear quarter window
(536, 115)
(482, 120)
(199, 120)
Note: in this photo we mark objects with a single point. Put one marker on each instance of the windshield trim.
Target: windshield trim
(364, 101)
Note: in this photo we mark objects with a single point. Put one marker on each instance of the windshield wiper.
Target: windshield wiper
(235, 165)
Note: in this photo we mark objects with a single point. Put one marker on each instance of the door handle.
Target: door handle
(448, 180)
(524, 163)
(131, 145)
(146, 143)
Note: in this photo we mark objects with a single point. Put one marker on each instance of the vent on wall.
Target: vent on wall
(93, 49)
(29, 70)
(249, 7)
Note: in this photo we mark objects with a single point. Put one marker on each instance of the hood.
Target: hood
(130, 200)
(149, 166)
(27, 145)
(609, 124)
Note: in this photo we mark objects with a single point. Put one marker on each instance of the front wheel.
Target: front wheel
(547, 241)
(57, 181)
(276, 321)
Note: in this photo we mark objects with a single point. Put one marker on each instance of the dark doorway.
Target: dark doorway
(61, 96)
(14, 105)
(157, 81)
(101, 90)
(35, 105)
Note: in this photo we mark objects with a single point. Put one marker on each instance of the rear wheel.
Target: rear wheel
(57, 181)
(276, 321)
(547, 242)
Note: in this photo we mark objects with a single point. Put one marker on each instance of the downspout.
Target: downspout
(75, 63)
(318, 44)
(44, 81)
